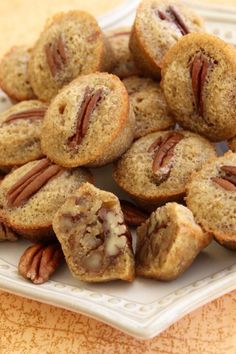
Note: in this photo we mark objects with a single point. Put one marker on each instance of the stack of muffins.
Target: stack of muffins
(83, 98)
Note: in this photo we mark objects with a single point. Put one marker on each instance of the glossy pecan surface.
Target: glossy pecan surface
(31, 182)
(29, 114)
(39, 262)
(88, 105)
(199, 70)
(163, 150)
(133, 216)
(56, 55)
(227, 178)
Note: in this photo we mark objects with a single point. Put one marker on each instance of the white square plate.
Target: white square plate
(145, 307)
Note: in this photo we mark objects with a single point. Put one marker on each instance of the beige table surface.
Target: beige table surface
(30, 327)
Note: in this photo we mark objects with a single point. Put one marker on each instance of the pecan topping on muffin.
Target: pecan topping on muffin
(89, 103)
(157, 166)
(34, 113)
(228, 180)
(172, 14)
(71, 44)
(163, 148)
(90, 122)
(31, 182)
(199, 70)
(56, 55)
(158, 25)
(198, 80)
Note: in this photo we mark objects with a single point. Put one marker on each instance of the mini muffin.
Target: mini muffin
(149, 105)
(124, 64)
(95, 240)
(20, 128)
(71, 44)
(6, 234)
(14, 77)
(199, 83)
(89, 122)
(31, 195)
(157, 167)
(168, 242)
(211, 196)
(158, 26)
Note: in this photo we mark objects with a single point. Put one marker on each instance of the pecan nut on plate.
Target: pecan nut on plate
(39, 262)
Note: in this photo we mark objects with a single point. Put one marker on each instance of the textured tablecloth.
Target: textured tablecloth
(30, 327)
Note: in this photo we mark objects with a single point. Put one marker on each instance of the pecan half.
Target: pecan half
(199, 70)
(56, 55)
(173, 15)
(39, 262)
(30, 114)
(31, 182)
(133, 216)
(163, 149)
(89, 103)
(227, 180)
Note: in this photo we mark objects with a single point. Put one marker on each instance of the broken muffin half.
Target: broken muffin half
(168, 242)
(94, 237)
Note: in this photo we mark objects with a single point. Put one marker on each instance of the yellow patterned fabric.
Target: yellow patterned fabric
(30, 327)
